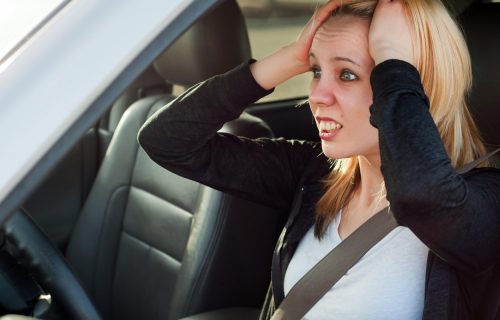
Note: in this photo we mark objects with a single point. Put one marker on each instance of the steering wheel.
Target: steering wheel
(48, 266)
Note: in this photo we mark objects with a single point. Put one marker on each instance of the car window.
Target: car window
(59, 84)
(272, 24)
(20, 19)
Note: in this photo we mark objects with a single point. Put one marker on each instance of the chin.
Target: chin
(345, 150)
(333, 152)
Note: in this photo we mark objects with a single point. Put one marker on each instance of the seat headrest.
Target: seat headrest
(481, 24)
(213, 45)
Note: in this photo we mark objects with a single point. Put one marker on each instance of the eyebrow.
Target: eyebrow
(346, 59)
(338, 59)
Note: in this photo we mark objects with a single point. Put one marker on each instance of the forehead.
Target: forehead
(343, 35)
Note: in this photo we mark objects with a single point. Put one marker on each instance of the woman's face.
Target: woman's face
(341, 93)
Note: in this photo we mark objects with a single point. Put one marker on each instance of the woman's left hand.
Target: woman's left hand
(390, 35)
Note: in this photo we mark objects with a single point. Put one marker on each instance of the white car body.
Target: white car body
(62, 70)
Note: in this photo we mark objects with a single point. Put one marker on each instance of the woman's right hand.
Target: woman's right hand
(292, 59)
(302, 45)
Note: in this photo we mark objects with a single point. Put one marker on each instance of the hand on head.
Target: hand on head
(302, 45)
(390, 34)
(292, 59)
(389, 38)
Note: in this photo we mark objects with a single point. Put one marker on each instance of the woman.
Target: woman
(387, 94)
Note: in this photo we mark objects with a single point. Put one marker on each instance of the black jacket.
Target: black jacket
(456, 216)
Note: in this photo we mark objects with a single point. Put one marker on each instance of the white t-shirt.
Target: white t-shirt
(387, 283)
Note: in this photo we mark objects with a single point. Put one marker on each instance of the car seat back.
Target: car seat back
(152, 245)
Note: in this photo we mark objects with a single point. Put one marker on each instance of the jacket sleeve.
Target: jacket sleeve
(456, 216)
(182, 137)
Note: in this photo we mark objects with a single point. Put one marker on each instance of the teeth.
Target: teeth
(329, 126)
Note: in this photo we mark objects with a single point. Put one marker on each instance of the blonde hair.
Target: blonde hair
(445, 69)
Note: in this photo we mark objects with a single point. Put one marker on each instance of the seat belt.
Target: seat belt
(323, 276)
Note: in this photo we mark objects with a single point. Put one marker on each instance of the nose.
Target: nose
(322, 93)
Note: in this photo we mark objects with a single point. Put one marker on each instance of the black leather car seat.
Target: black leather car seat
(481, 25)
(151, 245)
(148, 83)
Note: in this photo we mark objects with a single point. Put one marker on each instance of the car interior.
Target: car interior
(144, 243)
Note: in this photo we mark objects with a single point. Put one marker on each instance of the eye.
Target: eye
(316, 72)
(347, 75)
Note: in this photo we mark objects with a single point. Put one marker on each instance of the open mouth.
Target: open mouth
(327, 129)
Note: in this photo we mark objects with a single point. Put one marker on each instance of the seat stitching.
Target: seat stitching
(162, 199)
(150, 246)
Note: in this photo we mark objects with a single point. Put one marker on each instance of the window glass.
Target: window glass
(19, 19)
(272, 24)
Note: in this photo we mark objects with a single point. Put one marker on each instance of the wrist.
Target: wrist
(392, 55)
(276, 68)
(294, 64)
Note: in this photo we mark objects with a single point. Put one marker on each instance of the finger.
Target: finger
(382, 4)
(388, 3)
(322, 14)
(326, 10)
(388, 9)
